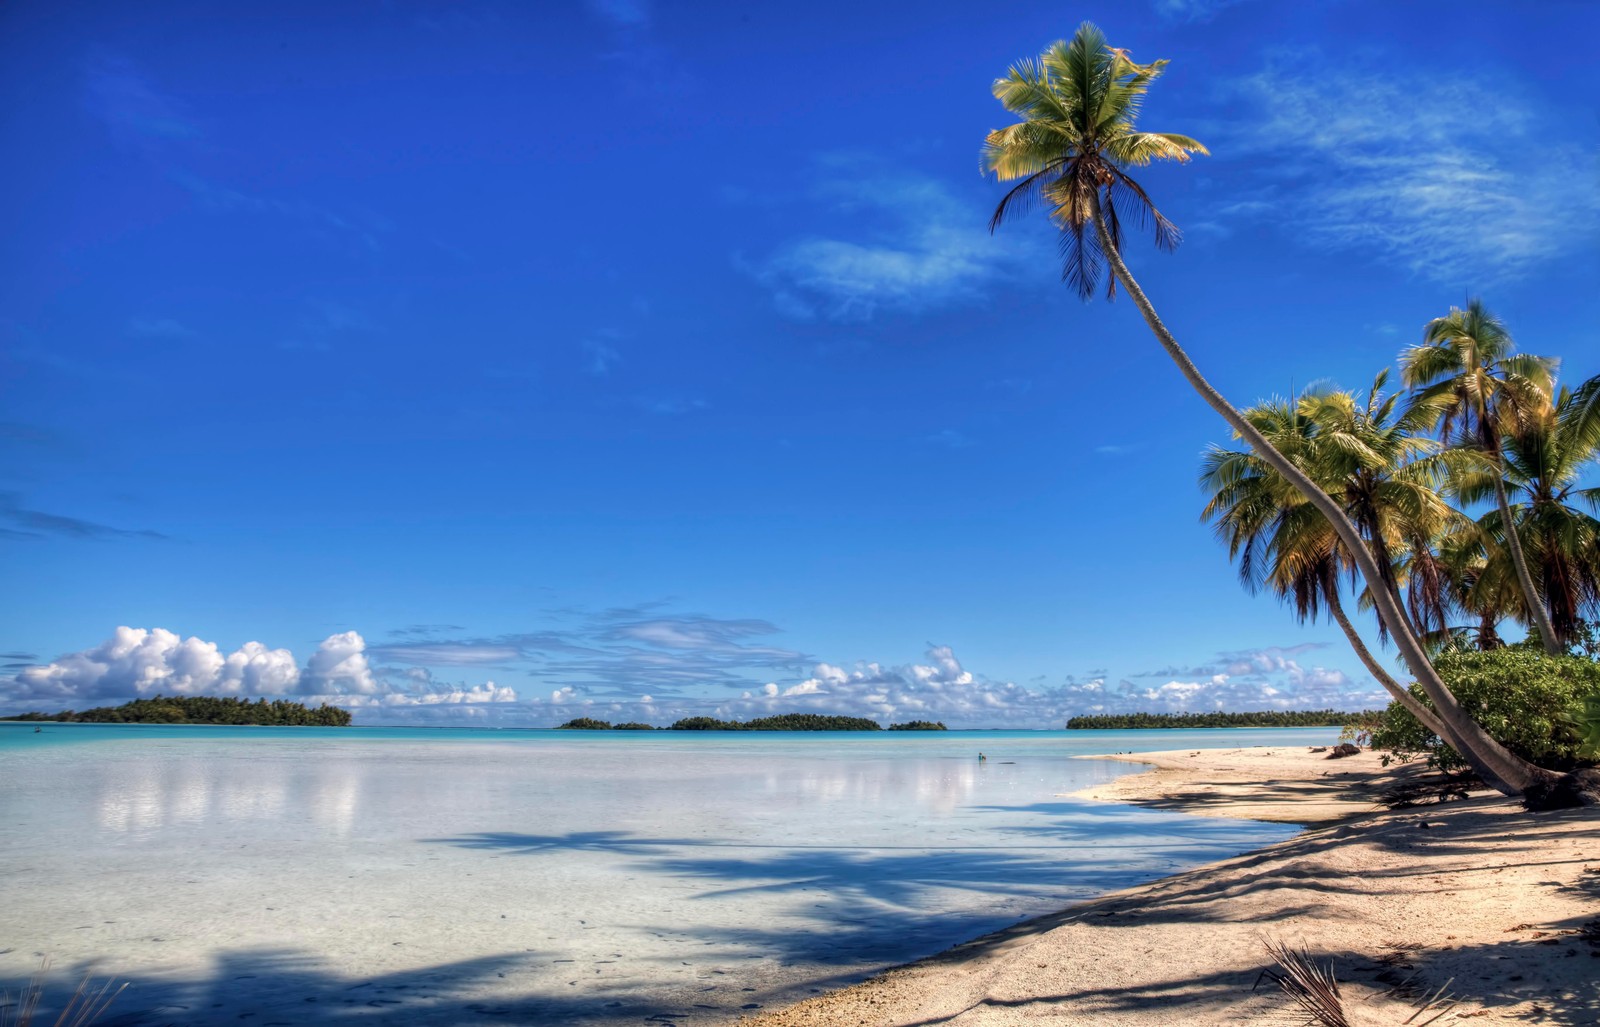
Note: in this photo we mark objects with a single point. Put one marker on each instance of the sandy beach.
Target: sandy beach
(1498, 908)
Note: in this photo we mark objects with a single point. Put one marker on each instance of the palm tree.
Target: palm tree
(1543, 454)
(1365, 459)
(1466, 360)
(1459, 559)
(1079, 103)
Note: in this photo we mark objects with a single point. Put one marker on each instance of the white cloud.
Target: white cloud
(132, 662)
(139, 662)
(136, 662)
(256, 670)
(488, 692)
(928, 252)
(339, 667)
(1455, 176)
(1192, 10)
(445, 654)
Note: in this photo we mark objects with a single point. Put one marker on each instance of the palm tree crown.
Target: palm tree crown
(1466, 359)
(1546, 451)
(1465, 367)
(1079, 102)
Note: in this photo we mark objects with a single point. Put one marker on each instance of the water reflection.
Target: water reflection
(767, 863)
(153, 794)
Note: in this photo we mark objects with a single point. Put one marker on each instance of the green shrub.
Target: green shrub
(1526, 700)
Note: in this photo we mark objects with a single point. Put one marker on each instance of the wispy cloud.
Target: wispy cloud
(919, 250)
(157, 125)
(361, 234)
(670, 406)
(1454, 175)
(1191, 11)
(324, 323)
(601, 357)
(950, 439)
(131, 106)
(18, 523)
(622, 13)
(159, 328)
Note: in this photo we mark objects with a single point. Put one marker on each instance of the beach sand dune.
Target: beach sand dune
(1499, 907)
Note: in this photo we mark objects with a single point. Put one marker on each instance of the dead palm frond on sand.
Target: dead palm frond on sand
(85, 1005)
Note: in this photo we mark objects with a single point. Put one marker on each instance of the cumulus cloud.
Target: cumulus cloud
(339, 667)
(139, 662)
(132, 662)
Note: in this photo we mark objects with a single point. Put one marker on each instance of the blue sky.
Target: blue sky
(506, 363)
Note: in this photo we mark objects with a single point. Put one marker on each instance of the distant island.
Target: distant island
(201, 709)
(1265, 718)
(781, 722)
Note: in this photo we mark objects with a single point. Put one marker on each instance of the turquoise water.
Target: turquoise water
(22, 734)
(454, 876)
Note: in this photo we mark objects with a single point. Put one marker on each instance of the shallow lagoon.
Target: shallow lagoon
(294, 875)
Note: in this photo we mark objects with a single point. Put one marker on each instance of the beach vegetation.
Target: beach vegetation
(780, 722)
(1532, 702)
(919, 725)
(1076, 136)
(1210, 719)
(202, 709)
(633, 725)
(584, 724)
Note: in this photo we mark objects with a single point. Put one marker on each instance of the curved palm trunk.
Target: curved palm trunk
(1426, 717)
(1537, 614)
(1510, 774)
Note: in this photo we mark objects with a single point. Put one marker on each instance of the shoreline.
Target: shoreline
(1492, 907)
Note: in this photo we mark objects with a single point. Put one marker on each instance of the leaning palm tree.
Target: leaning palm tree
(1466, 360)
(1079, 103)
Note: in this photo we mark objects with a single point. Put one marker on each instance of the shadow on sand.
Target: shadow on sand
(287, 988)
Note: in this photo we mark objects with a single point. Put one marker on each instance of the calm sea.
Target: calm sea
(452, 876)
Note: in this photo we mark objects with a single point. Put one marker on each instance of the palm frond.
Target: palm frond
(1313, 988)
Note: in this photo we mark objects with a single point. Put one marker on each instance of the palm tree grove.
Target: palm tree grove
(1444, 508)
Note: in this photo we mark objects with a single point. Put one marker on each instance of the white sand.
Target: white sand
(1501, 904)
